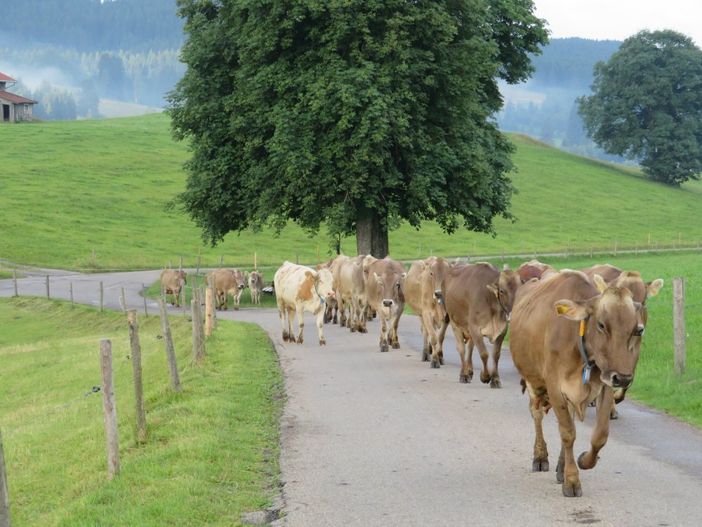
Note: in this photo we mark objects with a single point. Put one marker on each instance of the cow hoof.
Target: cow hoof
(396, 345)
(495, 383)
(363, 330)
(384, 347)
(322, 342)
(441, 360)
(539, 465)
(559, 473)
(485, 377)
(435, 363)
(353, 330)
(614, 414)
(572, 490)
(300, 340)
(425, 356)
(285, 337)
(465, 379)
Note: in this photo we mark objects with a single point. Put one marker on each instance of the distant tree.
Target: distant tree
(356, 113)
(54, 104)
(647, 105)
(111, 79)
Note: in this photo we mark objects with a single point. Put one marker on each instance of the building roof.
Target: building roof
(15, 99)
(6, 78)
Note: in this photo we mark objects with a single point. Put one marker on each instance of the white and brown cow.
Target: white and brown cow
(478, 299)
(227, 282)
(255, 286)
(299, 289)
(574, 340)
(384, 281)
(172, 282)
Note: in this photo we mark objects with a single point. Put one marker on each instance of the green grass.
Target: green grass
(656, 383)
(198, 280)
(91, 195)
(212, 450)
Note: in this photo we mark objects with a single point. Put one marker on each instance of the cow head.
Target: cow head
(324, 284)
(390, 289)
(504, 290)
(613, 331)
(182, 278)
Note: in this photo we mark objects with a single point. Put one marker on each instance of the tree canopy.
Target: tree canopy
(355, 113)
(647, 105)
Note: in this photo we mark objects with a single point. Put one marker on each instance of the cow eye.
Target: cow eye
(600, 327)
(503, 292)
(639, 330)
(397, 285)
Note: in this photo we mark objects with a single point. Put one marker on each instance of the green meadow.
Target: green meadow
(92, 195)
(211, 452)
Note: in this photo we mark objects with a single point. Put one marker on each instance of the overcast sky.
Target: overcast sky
(619, 19)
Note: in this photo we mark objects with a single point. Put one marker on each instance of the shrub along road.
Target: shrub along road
(382, 439)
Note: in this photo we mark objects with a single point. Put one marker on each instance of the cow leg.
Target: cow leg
(342, 311)
(237, 299)
(466, 373)
(430, 341)
(540, 460)
(395, 322)
(384, 330)
(600, 433)
(566, 426)
(496, 352)
(283, 322)
(320, 327)
(426, 347)
(299, 311)
(362, 317)
(479, 342)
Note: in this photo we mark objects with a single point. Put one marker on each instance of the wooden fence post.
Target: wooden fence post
(197, 270)
(136, 368)
(255, 261)
(170, 351)
(123, 300)
(109, 408)
(679, 324)
(221, 260)
(102, 296)
(180, 265)
(70, 291)
(4, 492)
(198, 340)
(48, 292)
(14, 281)
(209, 323)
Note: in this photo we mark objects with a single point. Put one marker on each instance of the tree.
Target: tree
(355, 113)
(647, 105)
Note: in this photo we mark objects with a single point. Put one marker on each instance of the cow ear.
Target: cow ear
(600, 284)
(652, 288)
(571, 310)
(493, 288)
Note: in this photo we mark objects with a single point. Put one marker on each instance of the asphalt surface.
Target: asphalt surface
(372, 438)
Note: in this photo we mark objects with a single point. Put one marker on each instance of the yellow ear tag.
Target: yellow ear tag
(561, 309)
(582, 328)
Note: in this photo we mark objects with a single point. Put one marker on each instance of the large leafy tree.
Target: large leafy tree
(355, 113)
(647, 105)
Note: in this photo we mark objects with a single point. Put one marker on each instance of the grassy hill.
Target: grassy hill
(91, 195)
(211, 451)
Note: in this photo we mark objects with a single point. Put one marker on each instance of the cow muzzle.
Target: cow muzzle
(387, 302)
(618, 380)
(241, 287)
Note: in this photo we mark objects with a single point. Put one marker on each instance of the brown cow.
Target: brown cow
(227, 281)
(478, 299)
(640, 291)
(172, 282)
(534, 269)
(255, 286)
(350, 287)
(384, 280)
(563, 371)
(422, 290)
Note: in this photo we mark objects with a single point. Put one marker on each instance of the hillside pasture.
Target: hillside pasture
(212, 450)
(92, 195)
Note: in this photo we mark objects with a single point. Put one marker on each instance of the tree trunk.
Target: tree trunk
(371, 233)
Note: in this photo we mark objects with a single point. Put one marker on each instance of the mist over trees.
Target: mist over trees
(71, 53)
(545, 107)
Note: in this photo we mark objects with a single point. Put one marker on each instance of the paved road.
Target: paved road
(381, 439)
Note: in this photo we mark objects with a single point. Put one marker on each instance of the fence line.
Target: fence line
(679, 324)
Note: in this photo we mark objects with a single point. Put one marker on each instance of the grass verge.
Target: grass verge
(212, 450)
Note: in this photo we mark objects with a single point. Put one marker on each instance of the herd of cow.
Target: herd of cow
(575, 335)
